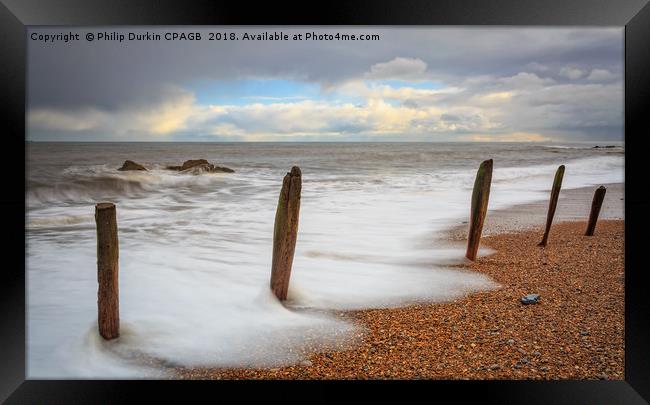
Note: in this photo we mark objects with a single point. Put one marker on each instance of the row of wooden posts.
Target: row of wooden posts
(285, 234)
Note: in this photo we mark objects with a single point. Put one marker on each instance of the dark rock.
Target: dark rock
(198, 169)
(198, 166)
(222, 169)
(131, 165)
(530, 299)
(188, 164)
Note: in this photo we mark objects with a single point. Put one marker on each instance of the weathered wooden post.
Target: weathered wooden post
(285, 232)
(108, 309)
(596, 203)
(555, 193)
(480, 196)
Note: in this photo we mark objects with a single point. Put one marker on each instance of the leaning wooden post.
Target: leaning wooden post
(555, 193)
(108, 310)
(480, 196)
(285, 232)
(596, 203)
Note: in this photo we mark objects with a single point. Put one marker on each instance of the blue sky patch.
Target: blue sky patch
(251, 91)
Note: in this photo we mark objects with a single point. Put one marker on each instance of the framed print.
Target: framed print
(417, 197)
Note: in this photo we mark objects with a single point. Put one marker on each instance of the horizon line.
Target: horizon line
(337, 141)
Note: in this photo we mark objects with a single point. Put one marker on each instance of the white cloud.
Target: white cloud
(398, 69)
(537, 67)
(601, 75)
(525, 81)
(572, 73)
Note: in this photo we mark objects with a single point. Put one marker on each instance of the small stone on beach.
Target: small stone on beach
(530, 299)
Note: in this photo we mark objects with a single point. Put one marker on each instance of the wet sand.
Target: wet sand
(573, 205)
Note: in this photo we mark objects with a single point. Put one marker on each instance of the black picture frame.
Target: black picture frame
(16, 15)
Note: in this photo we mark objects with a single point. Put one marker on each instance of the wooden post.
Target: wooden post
(555, 193)
(108, 311)
(285, 232)
(480, 196)
(596, 203)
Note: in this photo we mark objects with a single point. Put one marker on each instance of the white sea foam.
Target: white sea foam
(195, 254)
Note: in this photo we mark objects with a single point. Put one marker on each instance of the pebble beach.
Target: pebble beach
(574, 331)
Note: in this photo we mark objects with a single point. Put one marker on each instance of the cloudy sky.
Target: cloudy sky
(413, 84)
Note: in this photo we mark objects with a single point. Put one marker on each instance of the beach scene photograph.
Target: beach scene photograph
(358, 203)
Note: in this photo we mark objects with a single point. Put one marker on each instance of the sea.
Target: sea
(195, 250)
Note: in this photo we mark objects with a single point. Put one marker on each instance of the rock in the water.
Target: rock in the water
(198, 166)
(131, 165)
(530, 299)
(222, 169)
(198, 169)
(188, 164)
